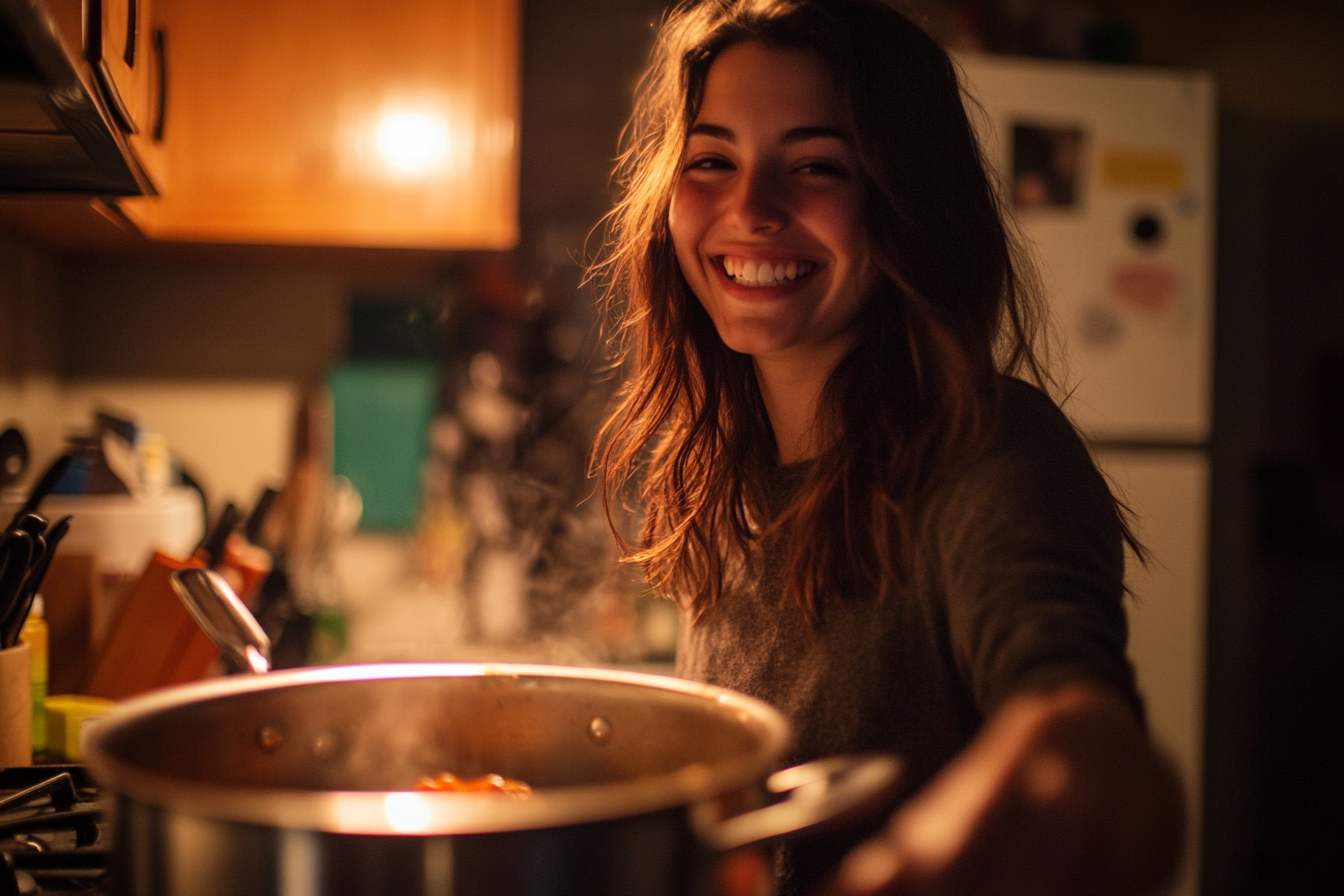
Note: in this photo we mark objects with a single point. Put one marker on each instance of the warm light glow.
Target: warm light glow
(407, 813)
(412, 143)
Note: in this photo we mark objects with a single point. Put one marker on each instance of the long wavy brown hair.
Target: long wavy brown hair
(688, 439)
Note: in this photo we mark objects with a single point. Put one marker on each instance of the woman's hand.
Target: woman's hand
(1061, 793)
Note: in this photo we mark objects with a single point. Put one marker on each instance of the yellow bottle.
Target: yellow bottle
(34, 633)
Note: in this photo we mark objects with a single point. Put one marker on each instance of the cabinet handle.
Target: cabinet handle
(160, 40)
(132, 30)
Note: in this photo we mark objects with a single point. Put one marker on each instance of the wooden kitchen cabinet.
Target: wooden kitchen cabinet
(118, 43)
(123, 47)
(340, 123)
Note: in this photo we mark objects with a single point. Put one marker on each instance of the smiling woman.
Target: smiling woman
(866, 519)
(768, 224)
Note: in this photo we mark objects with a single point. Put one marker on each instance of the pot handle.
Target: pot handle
(819, 793)
(224, 617)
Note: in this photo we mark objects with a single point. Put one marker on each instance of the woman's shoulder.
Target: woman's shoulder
(1025, 410)
(1034, 493)
(1035, 452)
(1028, 421)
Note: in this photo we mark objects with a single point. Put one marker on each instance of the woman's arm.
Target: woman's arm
(1062, 793)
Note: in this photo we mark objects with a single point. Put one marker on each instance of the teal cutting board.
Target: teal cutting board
(381, 411)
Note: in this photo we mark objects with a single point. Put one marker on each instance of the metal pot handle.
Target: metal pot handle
(224, 617)
(820, 792)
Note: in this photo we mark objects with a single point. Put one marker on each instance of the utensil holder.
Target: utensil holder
(16, 706)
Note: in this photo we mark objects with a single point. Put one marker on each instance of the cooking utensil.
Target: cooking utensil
(44, 549)
(211, 549)
(43, 487)
(256, 519)
(32, 523)
(224, 617)
(16, 554)
(300, 782)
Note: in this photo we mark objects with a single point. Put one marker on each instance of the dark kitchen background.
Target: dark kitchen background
(84, 300)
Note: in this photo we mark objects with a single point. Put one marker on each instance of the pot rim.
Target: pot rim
(430, 813)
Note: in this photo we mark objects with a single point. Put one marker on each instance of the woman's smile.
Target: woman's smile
(751, 273)
(768, 213)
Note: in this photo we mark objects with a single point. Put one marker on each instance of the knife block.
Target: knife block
(154, 641)
(72, 593)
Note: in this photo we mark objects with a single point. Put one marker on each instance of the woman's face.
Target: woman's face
(767, 216)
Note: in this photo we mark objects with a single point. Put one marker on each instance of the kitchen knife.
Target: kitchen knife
(211, 549)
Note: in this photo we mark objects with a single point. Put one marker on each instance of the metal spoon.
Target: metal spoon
(223, 617)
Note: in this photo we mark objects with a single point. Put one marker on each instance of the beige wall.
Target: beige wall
(30, 309)
(233, 435)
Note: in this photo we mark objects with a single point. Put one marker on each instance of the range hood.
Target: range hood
(57, 135)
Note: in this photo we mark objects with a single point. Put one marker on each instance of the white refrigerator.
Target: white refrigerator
(1110, 172)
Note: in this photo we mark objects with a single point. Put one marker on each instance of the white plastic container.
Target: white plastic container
(123, 530)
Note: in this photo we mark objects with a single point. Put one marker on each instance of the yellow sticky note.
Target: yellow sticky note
(1142, 169)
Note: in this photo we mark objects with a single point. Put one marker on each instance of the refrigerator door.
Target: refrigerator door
(1167, 491)
(1109, 171)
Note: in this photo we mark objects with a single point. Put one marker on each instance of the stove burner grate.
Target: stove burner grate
(53, 832)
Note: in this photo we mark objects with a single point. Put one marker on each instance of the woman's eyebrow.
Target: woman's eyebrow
(798, 135)
(794, 135)
(717, 131)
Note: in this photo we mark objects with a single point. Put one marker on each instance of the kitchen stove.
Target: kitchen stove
(55, 832)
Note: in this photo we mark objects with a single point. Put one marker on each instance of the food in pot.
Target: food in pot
(484, 784)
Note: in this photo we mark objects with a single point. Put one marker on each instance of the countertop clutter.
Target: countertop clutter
(28, 544)
(122, 498)
(492, 564)
(27, 547)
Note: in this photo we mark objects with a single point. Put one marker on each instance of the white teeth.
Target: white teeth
(747, 272)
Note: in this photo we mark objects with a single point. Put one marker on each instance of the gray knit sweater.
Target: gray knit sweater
(1016, 582)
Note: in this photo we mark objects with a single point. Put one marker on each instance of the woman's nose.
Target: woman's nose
(758, 201)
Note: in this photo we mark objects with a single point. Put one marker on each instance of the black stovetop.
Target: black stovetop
(55, 834)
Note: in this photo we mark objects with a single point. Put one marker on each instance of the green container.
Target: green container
(381, 414)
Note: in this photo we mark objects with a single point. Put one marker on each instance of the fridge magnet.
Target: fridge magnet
(1147, 230)
(1047, 166)
(1142, 169)
(1152, 289)
(1098, 327)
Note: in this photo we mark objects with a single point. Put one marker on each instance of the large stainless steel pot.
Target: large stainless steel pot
(299, 783)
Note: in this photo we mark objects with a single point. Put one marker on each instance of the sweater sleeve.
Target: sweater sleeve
(1027, 554)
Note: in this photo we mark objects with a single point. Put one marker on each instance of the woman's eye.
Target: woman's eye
(708, 163)
(825, 169)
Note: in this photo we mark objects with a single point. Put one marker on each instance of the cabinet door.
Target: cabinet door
(338, 123)
(117, 44)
